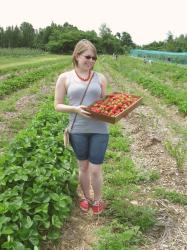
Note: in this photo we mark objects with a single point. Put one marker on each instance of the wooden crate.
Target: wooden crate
(114, 119)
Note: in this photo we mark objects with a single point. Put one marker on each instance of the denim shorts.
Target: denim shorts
(89, 146)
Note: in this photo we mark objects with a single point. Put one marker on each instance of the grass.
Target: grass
(132, 215)
(178, 151)
(128, 192)
(120, 144)
(12, 62)
(172, 196)
(16, 52)
(116, 236)
(125, 172)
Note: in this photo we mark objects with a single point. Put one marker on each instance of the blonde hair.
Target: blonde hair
(81, 47)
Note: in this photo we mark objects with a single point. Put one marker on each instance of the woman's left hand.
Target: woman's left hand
(81, 111)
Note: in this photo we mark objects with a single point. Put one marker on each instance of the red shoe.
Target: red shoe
(98, 207)
(84, 205)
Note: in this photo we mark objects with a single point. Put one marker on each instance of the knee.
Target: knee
(96, 171)
(84, 168)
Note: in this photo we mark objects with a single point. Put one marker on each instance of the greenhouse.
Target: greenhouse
(173, 57)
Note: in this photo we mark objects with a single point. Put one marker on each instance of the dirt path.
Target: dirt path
(81, 235)
(148, 152)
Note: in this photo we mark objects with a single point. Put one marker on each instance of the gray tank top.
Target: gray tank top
(75, 91)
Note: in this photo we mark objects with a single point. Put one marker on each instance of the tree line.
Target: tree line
(178, 44)
(62, 39)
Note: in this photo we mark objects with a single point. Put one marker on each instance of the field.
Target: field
(145, 170)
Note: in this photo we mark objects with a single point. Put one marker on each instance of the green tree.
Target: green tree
(28, 34)
(17, 39)
(126, 39)
(2, 42)
(8, 37)
(104, 31)
(169, 37)
(109, 44)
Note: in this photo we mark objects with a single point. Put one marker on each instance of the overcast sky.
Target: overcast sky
(145, 20)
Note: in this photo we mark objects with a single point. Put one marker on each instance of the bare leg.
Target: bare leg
(96, 180)
(84, 177)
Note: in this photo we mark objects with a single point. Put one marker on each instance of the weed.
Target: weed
(1, 118)
(127, 192)
(116, 236)
(178, 151)
(129, 214)
(115, 131)
(119, 143)
(172, 196)
(115, 155)
(124, 172)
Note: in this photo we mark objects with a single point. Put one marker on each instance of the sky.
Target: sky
(145, 20)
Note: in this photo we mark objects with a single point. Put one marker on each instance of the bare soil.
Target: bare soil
(148, 152)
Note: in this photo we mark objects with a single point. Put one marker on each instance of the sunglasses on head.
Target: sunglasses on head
(90, 57)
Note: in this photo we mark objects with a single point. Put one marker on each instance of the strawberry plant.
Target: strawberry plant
(38, 180)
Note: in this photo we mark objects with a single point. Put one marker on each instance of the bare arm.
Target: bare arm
(60, 92)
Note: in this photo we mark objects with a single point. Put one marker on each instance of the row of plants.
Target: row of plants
(156, 87)
(20, 52)
(169, 73)
(18, 82)
(12, 70)
(38, 181)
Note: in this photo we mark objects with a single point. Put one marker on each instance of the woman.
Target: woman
(88, 137)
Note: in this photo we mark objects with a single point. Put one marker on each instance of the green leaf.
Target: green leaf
(56, 221)
(54, 196)
(19, 177)
(4, 220)
(28, 223)
(9, 228)
(16, 245)
(54, 234)
(34, 237)
(43, 208)
(7, 231)
(3, 210)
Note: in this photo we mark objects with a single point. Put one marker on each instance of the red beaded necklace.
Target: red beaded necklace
(83, 79)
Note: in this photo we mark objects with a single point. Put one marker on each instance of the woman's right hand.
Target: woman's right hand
(81, 111)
